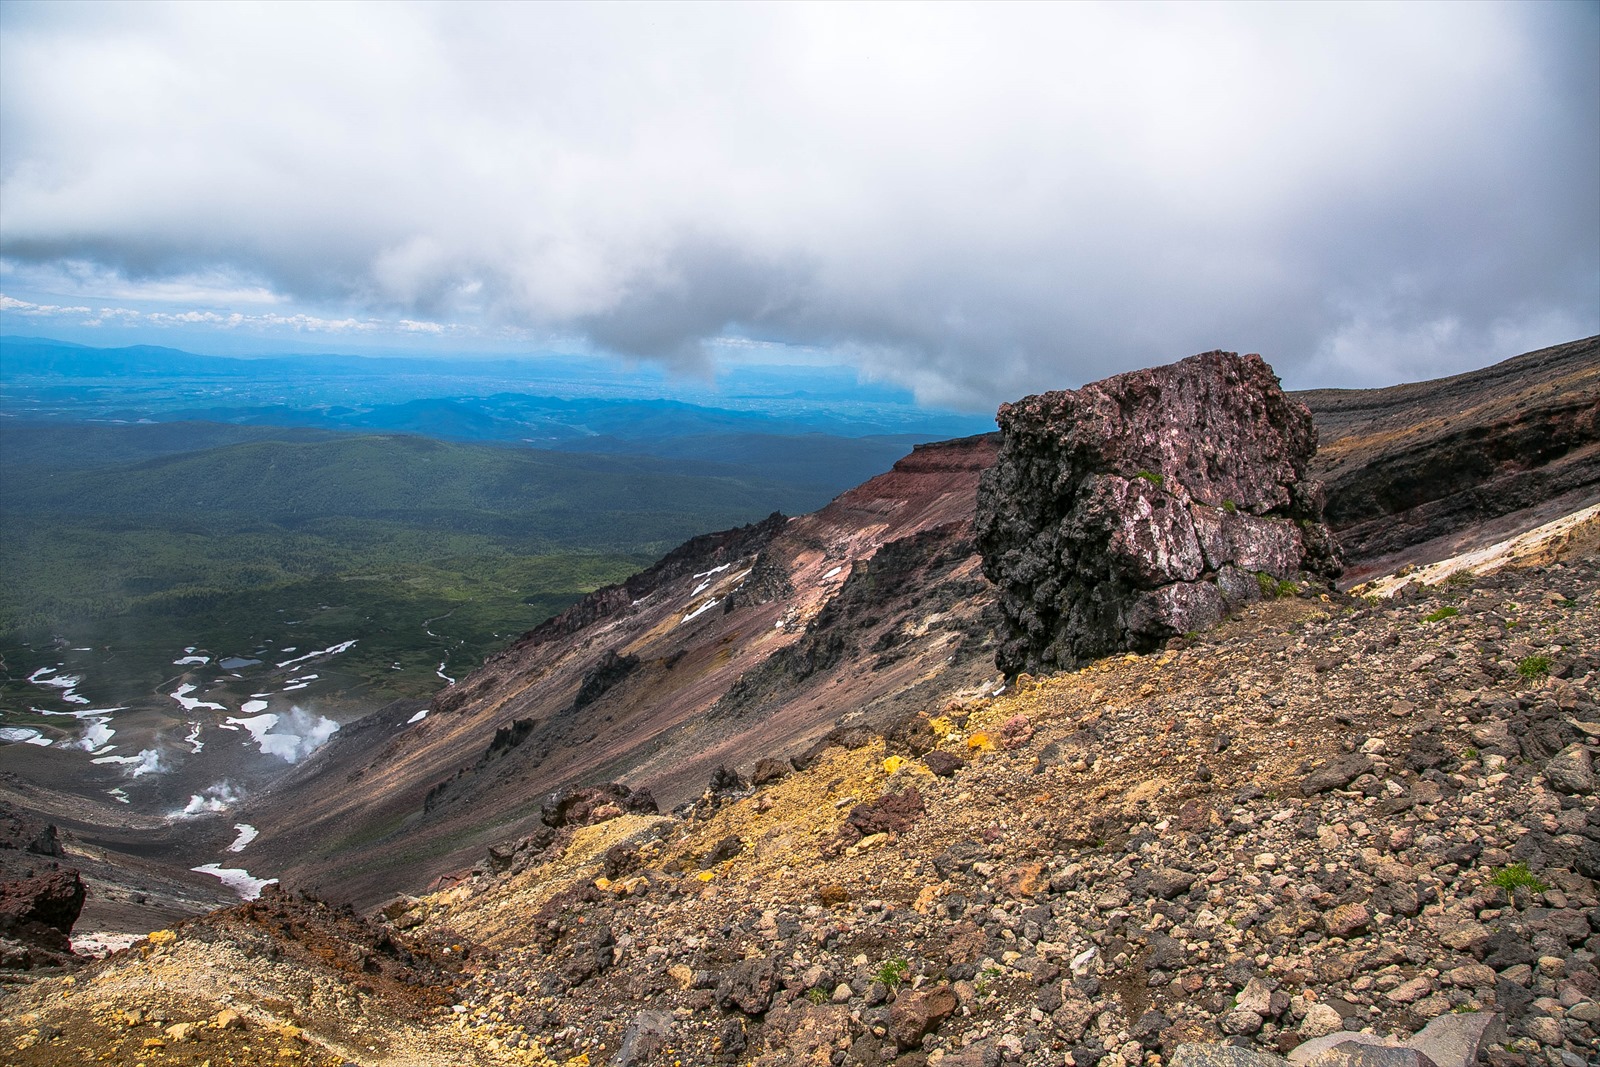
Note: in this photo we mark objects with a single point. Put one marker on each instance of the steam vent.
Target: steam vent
(1146, 506)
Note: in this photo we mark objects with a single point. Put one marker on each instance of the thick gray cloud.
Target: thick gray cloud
(976, 200)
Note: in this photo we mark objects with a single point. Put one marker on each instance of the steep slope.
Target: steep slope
(756, 641)
(1431, 468)
(1325, 816)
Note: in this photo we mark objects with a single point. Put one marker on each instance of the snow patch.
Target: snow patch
(12, 735)
(247, 834)
(237, 879)
(118, 795)
(833, 573)
(66, 681)
(196, 661)
(703, 586)
(699, 611)
(440, 672)
(195, 744)
(418, 717)
(189, 703)
(251, 707)
(331, 650)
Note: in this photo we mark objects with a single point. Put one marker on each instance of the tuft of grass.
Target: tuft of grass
(1449, 611)
(1272, 588)
(1532, 668)
(1516, 876)
(1152, 477)
(1229, 506)
(892, 972)
(817, 995)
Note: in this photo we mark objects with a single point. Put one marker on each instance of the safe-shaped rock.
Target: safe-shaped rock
(1146, 506)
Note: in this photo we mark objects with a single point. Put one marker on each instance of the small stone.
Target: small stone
(1223, 1056)
(647, 1032)
(917, 1013)
(1543, 1029)
(1411, 991)
(1255, 997)
(1347, 920)
(1242, 1022)
(1471, 976)
(1335, 775)
(1453, 1040)
(1463, 937)
(1320, 1021)
(1571, 770)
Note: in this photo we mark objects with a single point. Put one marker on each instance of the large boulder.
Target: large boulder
(1146, 506)
(39, 898)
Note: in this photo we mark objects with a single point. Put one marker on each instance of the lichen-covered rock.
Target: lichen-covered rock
(1146, 506)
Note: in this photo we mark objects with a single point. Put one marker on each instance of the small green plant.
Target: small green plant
(1449, 611)
(1229, 506)
(1469, 754)
(892, 972)
(817, 995)
(1533, 667)
(1516, 876)
(1151, 476)
(1272, 588)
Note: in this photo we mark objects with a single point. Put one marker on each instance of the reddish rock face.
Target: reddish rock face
(39, 899)
(1145, 506)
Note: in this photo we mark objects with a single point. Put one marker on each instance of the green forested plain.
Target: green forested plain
(121, 538)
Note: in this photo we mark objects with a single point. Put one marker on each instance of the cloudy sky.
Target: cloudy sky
(978, 201)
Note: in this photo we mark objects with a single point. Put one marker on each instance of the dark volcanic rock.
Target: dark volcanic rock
(607, 672)
(52, 897)
(39, 898)
(1145, 506)
(581, 807)
(892, 812)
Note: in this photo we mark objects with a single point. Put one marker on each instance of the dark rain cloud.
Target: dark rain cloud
(975, 200)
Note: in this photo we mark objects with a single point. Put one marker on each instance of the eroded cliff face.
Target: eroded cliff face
(1145, 506)
(1415, 472)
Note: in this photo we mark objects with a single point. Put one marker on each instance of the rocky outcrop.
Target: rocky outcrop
(1145, 506)
(39, 898)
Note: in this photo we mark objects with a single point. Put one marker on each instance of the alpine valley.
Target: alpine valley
(1180, 720)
